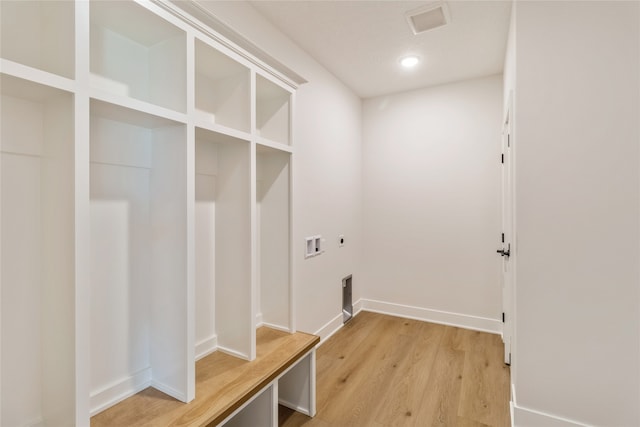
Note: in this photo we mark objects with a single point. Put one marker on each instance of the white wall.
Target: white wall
(327, 172)
(431, 175)
(578, 213)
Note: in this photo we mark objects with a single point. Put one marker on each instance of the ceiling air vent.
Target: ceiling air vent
(428, 17)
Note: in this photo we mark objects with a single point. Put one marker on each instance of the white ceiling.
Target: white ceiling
(360, 42)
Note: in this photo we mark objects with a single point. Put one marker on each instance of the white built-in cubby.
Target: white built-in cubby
(222, 89)
(39, 34)
(273, 210)
(37, 263)
(145, 204)
(223, 245)
(139, 317)
(261, 411)
(273, 111)
(137, 54)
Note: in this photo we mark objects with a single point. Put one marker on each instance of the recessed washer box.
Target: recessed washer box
(313, 246)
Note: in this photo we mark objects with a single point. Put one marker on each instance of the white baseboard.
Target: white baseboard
(276, 327)
(483, 324)
(206, 347)
(118, 391)
(330, 328)
(169, 391)
(335, 324)
(37, 422)
(524, 417)
(233, 353)
(357, 307)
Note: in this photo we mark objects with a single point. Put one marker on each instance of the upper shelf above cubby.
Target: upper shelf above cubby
(137, 54)
(273, 111)
(39, 34)
(223, 89)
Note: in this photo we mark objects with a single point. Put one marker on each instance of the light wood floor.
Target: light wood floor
(386, 371)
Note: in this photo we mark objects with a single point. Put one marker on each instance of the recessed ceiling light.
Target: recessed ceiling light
(409, 61)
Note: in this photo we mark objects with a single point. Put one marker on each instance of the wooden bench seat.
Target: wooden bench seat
(223, 384)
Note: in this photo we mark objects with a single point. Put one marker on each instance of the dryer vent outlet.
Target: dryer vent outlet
(347, 303)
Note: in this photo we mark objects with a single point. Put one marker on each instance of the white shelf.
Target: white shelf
(223, 244)
(38, 294)
(204, 123)
(223, 90)
(137, 54)
(273, 207)
(132, 104)
(139, 293)
(277, 146)
(39, 34)
(273, 115)
(35, 75)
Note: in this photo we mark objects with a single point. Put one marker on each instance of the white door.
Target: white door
(507, 236)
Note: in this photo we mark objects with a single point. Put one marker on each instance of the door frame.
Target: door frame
(508, 231)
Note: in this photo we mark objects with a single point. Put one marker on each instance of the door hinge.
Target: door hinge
(502, 317)
(502, 237)
(502, 158)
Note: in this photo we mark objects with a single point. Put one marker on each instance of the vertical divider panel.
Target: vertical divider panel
(82, 237)
(190, 204)
(292, 293)
(255, 295)
(168, 217)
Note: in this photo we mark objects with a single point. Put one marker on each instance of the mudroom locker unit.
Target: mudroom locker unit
(146, 183)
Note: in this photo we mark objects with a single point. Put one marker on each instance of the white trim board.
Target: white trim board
(335, 324)
(483, 324)
(119, 391)
(524, 417)
(206, 346)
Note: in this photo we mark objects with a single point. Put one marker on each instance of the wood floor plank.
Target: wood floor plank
(381, 371)
(403, 397)
(442, 393)
(356, 376)
(485, 394)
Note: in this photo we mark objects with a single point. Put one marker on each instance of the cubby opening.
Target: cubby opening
(137, 54)
(222, 94)
(259, 412)
(139, 297)
(37, 255)
(273, 218)
(296, 388)
(223, 245)
(273, 104)
(39, 34)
